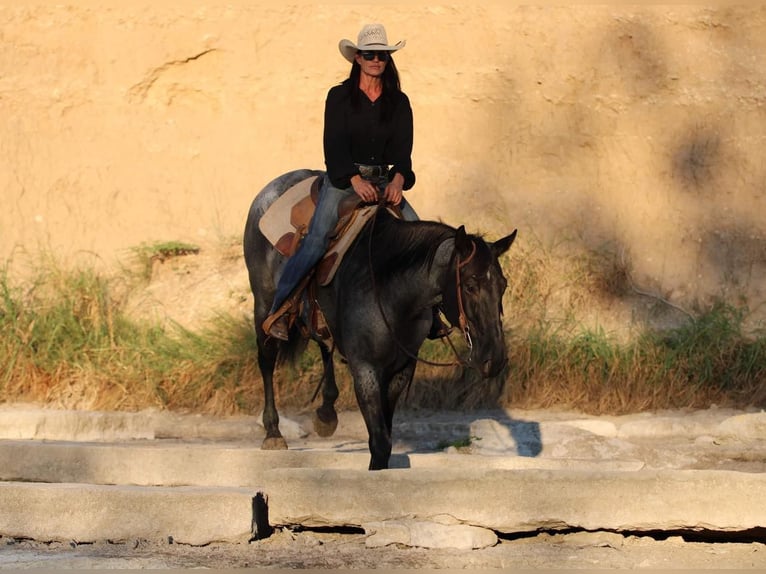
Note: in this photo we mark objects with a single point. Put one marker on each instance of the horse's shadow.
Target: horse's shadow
(504, 436)
(525, 434)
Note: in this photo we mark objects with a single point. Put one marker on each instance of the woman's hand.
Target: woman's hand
(364, 189)
(393, 193)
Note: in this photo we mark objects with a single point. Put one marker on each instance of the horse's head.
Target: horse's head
(474, 299)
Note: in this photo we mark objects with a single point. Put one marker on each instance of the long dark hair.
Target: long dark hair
(391, 87)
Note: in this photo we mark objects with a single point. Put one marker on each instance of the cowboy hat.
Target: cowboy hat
(371, 37)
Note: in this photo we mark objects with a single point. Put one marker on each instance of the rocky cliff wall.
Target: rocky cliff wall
(633, 129)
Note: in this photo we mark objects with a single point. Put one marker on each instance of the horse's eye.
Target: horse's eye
(472, 286)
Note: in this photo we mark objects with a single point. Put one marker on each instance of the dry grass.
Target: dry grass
(66, 340)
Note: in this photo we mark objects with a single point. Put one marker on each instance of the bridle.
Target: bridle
(462, 318)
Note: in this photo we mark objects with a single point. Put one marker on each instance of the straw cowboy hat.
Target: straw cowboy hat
(371, 37)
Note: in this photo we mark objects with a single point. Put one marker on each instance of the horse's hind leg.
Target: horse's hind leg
(267, 360)
(325, 417)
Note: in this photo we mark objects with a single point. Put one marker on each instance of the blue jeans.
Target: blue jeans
(314, 244)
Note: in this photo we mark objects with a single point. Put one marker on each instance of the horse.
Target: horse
(379, 309)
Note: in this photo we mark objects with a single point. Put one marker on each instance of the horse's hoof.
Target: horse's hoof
(274, 443)
(325, 428)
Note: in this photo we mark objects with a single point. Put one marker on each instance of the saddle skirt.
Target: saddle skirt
(286, 222)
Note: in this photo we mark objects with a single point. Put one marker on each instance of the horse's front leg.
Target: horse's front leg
(367, 386)
(398, 383)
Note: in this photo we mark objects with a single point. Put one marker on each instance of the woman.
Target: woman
(367, 147)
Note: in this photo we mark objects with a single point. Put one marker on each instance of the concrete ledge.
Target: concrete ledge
(198, 491)
(155, 464)
(502, 500)
(520, 500)
(86, 513)
(218, 465)
(19, 422)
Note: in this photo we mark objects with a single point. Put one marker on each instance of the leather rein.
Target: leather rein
(462, 317)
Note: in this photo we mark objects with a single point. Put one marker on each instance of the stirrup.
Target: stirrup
(277, 326)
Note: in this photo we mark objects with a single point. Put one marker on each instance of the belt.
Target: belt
(372, 170)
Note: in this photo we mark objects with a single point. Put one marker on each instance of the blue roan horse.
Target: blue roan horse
(379, 310)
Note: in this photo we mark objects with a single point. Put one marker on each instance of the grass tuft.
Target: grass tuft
(147, 255)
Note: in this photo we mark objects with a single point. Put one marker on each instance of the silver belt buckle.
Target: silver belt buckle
(371, 170)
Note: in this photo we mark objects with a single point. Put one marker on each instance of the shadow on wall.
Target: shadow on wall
(652, 150)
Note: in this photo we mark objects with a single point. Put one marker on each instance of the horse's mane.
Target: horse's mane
(407, 243)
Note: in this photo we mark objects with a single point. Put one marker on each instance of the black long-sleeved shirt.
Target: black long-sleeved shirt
(359, 136)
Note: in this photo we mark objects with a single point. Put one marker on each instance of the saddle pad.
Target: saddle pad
(332, 259)
(276, 221)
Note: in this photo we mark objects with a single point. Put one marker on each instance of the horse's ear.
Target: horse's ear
(463, 245)
(502, 245)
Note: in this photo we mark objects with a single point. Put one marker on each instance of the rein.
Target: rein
(463, 319)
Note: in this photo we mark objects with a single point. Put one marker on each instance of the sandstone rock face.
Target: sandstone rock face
(638, 128)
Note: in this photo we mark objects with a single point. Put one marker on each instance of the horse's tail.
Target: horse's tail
(290, 350)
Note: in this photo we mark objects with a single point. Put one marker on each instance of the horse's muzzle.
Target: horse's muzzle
(490, 368)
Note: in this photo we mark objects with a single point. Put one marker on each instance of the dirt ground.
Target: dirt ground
(334, 550)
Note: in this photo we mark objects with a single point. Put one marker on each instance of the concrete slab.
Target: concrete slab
(578, 473)
(85, 513)
(427, 535)
(176, 464)
(33, 422)
(521, 500)
(499, 500)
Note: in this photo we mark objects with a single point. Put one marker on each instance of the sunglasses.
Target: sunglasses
(369, 55)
